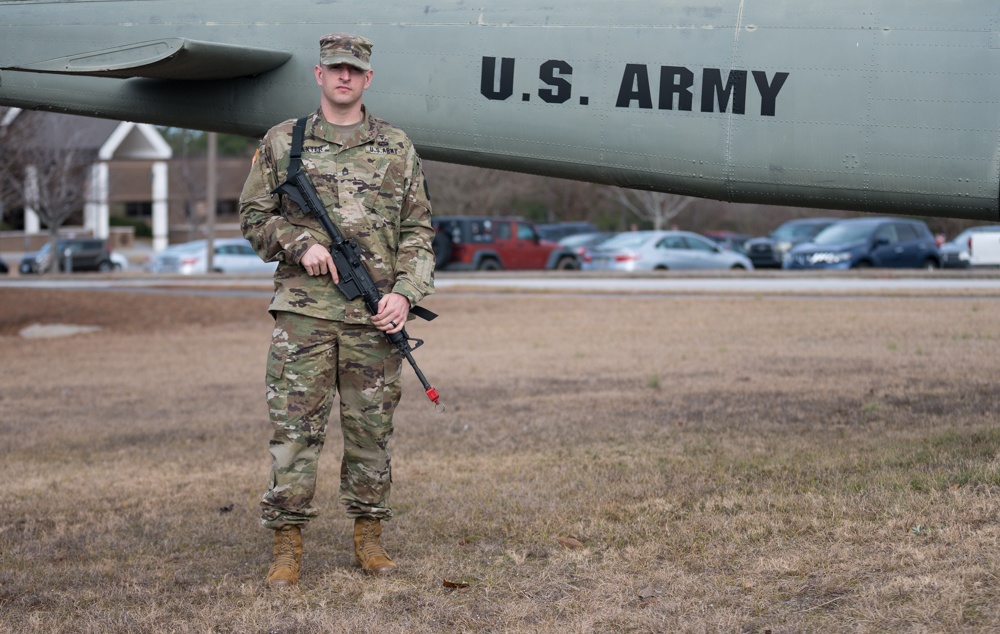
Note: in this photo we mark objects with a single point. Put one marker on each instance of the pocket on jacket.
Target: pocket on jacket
(383, 204)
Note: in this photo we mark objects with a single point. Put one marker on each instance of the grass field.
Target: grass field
(615, 464)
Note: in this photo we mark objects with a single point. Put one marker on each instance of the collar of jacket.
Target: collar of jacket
(319, 128)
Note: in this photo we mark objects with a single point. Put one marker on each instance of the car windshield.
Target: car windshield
(962, 239)
(48, 247)
(188, 247)
(844, 232)
(798, 231)
(583, 239)
(627, 240)
(698, 244)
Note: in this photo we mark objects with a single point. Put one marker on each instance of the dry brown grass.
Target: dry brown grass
(728, 465)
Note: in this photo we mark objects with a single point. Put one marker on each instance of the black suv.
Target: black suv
(466, 243)
(768, 252)
(85, 254)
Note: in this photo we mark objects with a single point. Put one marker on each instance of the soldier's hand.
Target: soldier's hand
(318, 261)
(392, 312)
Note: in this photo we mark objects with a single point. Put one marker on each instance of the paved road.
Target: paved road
(798, 284)
(973, 283)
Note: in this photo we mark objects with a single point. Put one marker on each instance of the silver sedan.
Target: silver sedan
(662, 251)
(230, 255)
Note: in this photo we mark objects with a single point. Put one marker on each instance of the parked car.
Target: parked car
(955, 254)
(662, 251)
(85, 254)
(118, 261)
(868, 242)
(583, 243)
(3, 267)
(230, 255)
(464, 243)
(729, 240)
(984, 249)
(556, 231)
(768, 252)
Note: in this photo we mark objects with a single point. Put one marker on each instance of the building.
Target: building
(133, 177)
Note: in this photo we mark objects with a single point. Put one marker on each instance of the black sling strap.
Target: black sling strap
(295, 157)
(295, 164)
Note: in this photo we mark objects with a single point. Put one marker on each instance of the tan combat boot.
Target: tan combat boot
(284, 570)
(368, 551)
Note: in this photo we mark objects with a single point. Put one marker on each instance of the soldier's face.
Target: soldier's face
(343, 85)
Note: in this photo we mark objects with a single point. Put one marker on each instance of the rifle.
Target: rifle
(355, 280)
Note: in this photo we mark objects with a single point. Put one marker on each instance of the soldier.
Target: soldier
(369, 178)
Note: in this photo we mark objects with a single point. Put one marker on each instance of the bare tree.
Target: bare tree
(187, 147)
(568, 200)
(50, 179)
(9, 199)
(656, 207)
(462, 190)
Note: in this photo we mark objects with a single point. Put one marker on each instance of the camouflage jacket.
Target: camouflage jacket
(373, 189)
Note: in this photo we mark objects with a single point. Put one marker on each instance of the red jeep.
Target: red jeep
(467, 243)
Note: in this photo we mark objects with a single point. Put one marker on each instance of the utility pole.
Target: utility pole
(210, 200)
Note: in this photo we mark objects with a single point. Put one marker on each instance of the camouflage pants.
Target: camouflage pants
(309, 361)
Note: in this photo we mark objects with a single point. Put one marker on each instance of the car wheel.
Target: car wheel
(105, 267)
(661, 267)
(863, 264)
(442, 250)
(930, 264)
(489, 264)
(737, 267)
(568, 263)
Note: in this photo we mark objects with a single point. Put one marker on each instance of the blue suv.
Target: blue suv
(868, 242)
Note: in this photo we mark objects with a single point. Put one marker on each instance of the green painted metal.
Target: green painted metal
(882, 107)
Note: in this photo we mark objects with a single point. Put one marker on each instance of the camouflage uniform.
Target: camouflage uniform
(372, 187)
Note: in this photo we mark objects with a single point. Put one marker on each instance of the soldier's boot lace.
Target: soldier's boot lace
(284, 571)
(368, 551)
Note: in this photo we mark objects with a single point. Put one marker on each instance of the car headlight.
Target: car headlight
(827, 257)
(783, 247)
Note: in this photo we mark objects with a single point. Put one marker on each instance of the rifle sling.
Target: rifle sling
(295, 164)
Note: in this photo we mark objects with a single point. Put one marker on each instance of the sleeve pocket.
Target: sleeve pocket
(275, 366)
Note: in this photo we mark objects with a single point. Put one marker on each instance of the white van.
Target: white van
(984, 248)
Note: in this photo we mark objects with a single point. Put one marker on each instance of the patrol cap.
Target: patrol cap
(345, 48)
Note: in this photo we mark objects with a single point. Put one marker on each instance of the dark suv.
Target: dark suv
(867, 242)
(768, 252)
(466, 243)
(86, 254)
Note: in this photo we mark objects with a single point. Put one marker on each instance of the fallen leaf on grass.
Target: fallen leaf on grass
(570, 543)
(454, 584)
(647, 593)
